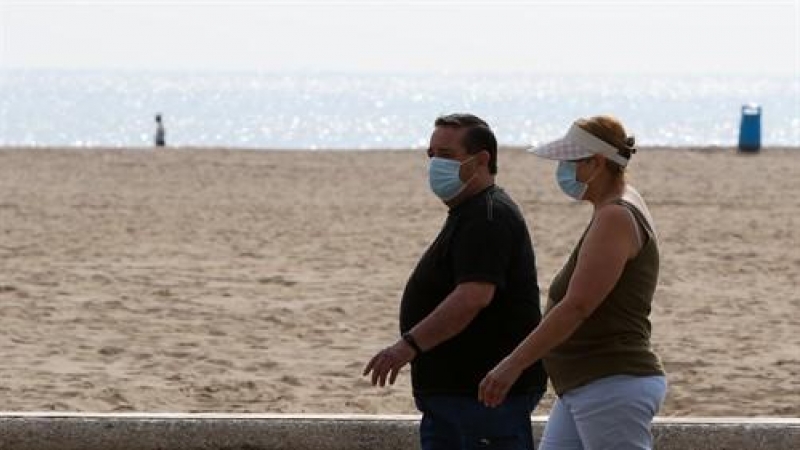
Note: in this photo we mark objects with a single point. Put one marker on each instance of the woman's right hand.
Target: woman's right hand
(495, 385)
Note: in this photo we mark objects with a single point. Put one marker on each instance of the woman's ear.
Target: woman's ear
(591, 165)
(593, 162)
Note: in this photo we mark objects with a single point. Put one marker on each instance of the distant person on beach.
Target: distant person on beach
(472, 298)
(595, 336)
(160, 138)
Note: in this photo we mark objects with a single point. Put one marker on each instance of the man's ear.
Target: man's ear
(484, 157)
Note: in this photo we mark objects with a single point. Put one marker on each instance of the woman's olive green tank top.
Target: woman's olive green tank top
(615, 338)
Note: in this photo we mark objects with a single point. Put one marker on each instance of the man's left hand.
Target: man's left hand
(388, 362)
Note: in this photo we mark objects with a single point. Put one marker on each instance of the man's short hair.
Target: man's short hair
(478, 137)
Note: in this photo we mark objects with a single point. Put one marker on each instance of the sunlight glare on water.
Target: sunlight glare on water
(342, 111)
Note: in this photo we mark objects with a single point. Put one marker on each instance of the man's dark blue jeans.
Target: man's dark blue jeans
(463, 423)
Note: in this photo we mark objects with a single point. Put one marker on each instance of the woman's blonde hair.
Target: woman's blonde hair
(610, 130)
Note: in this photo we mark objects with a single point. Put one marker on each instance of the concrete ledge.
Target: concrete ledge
(74, 431)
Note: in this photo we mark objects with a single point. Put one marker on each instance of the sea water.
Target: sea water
(377, 111)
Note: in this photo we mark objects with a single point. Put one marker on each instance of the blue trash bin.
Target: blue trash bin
(750, 129)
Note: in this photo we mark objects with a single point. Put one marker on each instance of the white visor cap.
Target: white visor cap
(578, 143)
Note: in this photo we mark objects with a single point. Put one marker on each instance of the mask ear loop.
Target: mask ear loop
(464, 184)
(469, 160)
(591, 178)
(474, 172)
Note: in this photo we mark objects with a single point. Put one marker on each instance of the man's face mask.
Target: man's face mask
(443, 177)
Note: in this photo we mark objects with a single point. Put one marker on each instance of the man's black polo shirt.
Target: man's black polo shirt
(484, 239)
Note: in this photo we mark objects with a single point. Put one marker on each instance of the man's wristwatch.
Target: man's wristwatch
(409, 338)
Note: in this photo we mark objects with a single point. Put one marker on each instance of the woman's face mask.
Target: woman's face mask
(567, 177)
(443, 177)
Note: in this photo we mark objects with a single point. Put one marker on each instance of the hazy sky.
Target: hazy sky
(757, 36)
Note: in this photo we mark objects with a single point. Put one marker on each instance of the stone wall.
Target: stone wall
(74, 431)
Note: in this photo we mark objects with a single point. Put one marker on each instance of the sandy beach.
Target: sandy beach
(262, 281)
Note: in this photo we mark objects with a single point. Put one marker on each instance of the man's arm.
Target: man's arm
(480, 258)
(453, 315)
(448, 319)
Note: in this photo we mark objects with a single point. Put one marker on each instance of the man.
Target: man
(160, 138)
(472, 298)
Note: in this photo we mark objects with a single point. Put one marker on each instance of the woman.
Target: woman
(595, 337)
